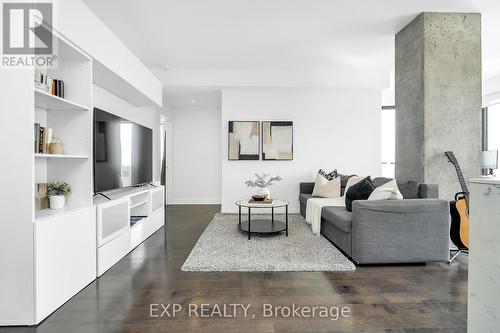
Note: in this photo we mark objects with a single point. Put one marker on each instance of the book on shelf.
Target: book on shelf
(37, 137)
(42, 139)
(46, 83)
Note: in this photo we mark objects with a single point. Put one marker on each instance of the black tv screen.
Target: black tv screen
(123, 152)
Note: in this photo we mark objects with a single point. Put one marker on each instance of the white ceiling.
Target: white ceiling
(192, 97)
(279, 34)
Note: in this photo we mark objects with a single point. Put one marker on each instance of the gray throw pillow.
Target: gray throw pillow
(359, 191)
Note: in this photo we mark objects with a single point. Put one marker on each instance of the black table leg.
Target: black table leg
(249, 223)
(272, 215)
(286, 217)
(239, 216)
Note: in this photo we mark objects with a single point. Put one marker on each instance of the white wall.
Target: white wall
(149, 117)
(333, 129)
(194, 165)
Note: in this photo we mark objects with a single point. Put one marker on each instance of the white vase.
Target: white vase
(57, 201)
(264, 192)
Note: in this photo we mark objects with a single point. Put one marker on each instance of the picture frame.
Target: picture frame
(243, 140)
(277, 140)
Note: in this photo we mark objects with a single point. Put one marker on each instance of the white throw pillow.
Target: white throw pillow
(387, 191)
(325, 188)
(351, 181)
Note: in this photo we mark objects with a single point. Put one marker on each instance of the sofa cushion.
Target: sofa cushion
(352, 180)
(338, 217)
(325, 188)
(359, 191)
(306, 187)
(408, 188)
(303, 197)
(387, 191)
(379, 181)
(343, 182)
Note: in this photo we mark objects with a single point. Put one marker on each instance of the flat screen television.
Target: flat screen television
(123, 152)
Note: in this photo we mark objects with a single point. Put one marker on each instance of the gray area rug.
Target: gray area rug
(224, 248)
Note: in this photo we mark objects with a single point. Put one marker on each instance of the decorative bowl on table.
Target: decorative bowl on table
(258, 198)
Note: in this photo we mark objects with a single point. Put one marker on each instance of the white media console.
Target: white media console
(125, 221)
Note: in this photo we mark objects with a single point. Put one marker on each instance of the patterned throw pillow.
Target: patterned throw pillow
(325, 188)
(328, 176)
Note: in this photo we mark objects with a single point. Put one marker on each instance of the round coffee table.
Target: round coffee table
(262, 226)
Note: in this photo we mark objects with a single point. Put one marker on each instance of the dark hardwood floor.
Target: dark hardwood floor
(420, 298)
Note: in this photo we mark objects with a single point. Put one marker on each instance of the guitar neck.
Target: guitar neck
(461, 179)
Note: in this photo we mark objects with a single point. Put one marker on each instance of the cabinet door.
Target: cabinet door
(113, 219)
(65, 258)
(484, 263)
(157, 199)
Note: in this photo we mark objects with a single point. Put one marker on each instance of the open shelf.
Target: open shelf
(45, 100)
(43, 214)
(138, 204)
(62, 156)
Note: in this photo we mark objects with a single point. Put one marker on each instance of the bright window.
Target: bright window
(388, 142)
(494, 128)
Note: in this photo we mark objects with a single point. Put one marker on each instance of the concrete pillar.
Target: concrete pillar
(438, 98)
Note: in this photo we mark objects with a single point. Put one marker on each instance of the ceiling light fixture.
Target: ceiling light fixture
(165, 67)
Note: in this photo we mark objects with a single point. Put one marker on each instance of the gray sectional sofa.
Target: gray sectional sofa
(412, 230)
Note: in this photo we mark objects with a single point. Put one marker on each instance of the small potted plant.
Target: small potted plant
(57, 193)
(263, 182)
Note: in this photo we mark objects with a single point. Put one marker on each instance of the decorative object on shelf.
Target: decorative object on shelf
(41, 199)
(263, 182)
(243, 140)
(489, 162)
(56, 147)
(277, 140)
(57, 193)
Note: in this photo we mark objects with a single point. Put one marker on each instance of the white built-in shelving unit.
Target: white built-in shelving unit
(47, 255)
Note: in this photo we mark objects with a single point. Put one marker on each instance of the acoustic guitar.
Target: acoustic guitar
(459, 209)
